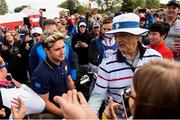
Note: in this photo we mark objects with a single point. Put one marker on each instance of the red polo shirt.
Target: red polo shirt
(164, 50)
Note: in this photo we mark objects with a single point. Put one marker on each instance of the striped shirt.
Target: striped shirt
(116, 73)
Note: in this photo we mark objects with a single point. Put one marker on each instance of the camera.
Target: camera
(78, 42)
(125, 94)
(9, 77)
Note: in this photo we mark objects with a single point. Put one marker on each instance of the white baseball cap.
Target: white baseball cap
(82, 24)
(37, 30)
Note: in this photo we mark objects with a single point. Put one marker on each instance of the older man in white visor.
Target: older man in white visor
(116, 72)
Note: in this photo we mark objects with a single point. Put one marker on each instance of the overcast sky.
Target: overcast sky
(43, 3)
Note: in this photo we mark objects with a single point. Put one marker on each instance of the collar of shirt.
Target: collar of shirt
(108, 42)
(121, 58)
(135, 61)
(51, 64)
(132, 64)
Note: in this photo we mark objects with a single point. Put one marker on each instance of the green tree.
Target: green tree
(70, 5)
(146, 3)
(20, 8)
(82, 9)
(152, 4)
(127, 6)
(139, 3)
(100, 3)
(3, 7)
(116, 5)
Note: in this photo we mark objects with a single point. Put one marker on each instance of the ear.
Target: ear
(163, 36)
(46, 50)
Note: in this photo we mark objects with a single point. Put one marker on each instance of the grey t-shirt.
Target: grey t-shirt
(173, 38)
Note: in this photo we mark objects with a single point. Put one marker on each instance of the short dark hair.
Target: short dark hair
(49, 22)
(107, 20)
(161, 27)
(156, 15)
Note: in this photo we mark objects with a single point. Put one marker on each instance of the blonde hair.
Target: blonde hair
(49, 37)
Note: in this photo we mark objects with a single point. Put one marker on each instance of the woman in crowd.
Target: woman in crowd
(80, 43)
(10, 52)
(11, 89)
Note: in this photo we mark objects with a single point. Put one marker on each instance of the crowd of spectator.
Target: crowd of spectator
(126, 51)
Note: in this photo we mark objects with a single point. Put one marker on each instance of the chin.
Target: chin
(122, 50)
(62, 58)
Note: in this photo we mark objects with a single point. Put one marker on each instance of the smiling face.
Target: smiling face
(82, 28)
(171, 11)
(9, 37)
(126, 42)
(155, 38)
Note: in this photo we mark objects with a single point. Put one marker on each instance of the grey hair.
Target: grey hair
(49, 37)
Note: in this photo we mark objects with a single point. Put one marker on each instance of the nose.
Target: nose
(62, 51)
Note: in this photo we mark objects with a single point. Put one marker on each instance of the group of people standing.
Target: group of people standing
(113, 49)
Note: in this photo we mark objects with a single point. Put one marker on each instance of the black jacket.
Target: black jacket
(82, 52)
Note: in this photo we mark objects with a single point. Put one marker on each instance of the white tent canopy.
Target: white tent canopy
(9, 17)
(30, 11)
(50, 12)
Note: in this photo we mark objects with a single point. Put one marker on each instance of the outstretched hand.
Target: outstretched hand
(111, 109)
(75, 106)
(18, 108)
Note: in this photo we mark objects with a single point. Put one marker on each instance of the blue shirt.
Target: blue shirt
(51, 78)
(36, 56)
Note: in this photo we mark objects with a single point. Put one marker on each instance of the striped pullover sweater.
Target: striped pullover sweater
(116, 73)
